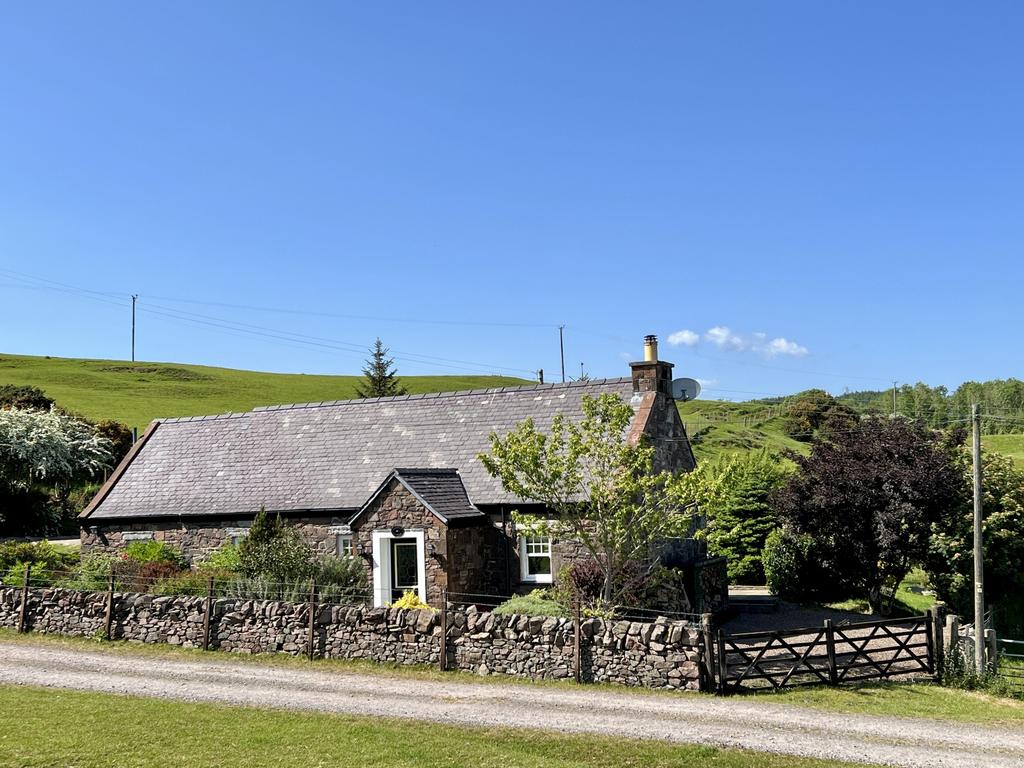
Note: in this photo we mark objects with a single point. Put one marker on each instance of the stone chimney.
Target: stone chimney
(652, 375)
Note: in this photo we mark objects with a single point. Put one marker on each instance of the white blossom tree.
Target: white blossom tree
(49, 447)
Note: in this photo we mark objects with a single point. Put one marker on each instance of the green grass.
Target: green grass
(137, 393)
(1011, 445)
(910, 601)
(718, 427)
(905, 700)
(133, 732)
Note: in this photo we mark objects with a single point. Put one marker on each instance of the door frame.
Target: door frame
(382, 565)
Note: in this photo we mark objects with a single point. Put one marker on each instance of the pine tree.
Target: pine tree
(379, 376)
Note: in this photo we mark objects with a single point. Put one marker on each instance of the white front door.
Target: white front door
(398, 566)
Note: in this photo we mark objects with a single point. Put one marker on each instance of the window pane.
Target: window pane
(344, 546)
(538, 565)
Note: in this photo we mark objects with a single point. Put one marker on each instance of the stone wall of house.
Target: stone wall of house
(396, 506)
(659, 654)
(197, 539)
(476, 561)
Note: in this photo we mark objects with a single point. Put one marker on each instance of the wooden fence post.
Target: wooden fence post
(723, 663)
(108, 613)
(830, 649)
(312, 617)
(442, 658)
(22, 611)
(206, 614)
(992, 648)
(938, 626)
(577, 645)
(708, 637)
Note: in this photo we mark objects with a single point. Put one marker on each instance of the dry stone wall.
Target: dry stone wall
(659, 654)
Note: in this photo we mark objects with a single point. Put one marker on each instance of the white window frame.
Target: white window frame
(382, 565)
(524, 557)
(343, 545)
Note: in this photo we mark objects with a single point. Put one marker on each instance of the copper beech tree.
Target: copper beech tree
(600, 487)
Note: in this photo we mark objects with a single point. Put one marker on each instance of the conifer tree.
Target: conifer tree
(379, 376)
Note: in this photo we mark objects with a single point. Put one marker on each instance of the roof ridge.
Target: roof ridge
(440, 395)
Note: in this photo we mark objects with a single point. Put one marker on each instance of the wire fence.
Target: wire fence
(200, 585)
(506, 604)
(194, 584)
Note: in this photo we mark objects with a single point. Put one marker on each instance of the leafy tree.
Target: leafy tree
(43, 456)
(735, 493)
(601, 487)
(119, 435)
(868, 498)
(817, 411)
(379, 376)
(275, 550)
(950, 562)
(24, 397)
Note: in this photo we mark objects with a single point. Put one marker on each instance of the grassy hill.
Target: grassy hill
(1011, 445)
(136, 393)
(718, 427)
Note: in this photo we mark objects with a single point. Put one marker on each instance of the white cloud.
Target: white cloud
(781, 346)
(684, 338)
(721, 336)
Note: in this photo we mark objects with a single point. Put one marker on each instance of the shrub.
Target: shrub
(410, 600)
(539, 602)
(195, 583)
(226, 558)
(275, 551)
(42, 555)
(92, 572)
(152, 551)
(794, 569)
(341, 577)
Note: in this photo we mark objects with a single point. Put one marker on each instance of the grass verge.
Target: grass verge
(136, 732)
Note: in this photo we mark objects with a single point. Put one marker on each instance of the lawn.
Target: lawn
(1011, 445)
(137, 393)
(132, 732)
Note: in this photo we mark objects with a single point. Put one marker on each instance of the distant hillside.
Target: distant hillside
(137, 393)
(718, 427)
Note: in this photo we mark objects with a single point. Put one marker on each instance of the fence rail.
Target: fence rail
(832, 654)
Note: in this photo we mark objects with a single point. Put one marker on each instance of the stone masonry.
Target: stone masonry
(659, 654)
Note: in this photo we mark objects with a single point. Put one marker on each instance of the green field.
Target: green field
(1011, 445)
(136, 393)
(93, 730)
(719, 427)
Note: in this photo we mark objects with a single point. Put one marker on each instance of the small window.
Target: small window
(535, 558)
(236, 540)
(344, 546)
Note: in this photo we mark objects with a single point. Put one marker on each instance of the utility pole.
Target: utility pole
(979, 571)
(894, 399)
(135, 296)
(582, 374)
(561, 348)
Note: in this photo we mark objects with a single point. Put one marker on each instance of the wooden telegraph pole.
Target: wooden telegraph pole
(979, 566)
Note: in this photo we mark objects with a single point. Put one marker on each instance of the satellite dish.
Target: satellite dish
(685, 389)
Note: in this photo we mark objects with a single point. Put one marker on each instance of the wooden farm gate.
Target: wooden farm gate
(831, 654)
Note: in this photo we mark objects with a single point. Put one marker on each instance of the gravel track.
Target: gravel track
(684, 718)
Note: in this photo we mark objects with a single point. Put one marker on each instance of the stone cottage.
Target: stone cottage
(395, 481)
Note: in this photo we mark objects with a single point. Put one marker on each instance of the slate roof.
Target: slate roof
(326, 457)
(440, 490)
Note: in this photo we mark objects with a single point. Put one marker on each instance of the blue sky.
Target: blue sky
(820, 194)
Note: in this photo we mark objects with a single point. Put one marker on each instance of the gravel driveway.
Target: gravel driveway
(682, 718)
